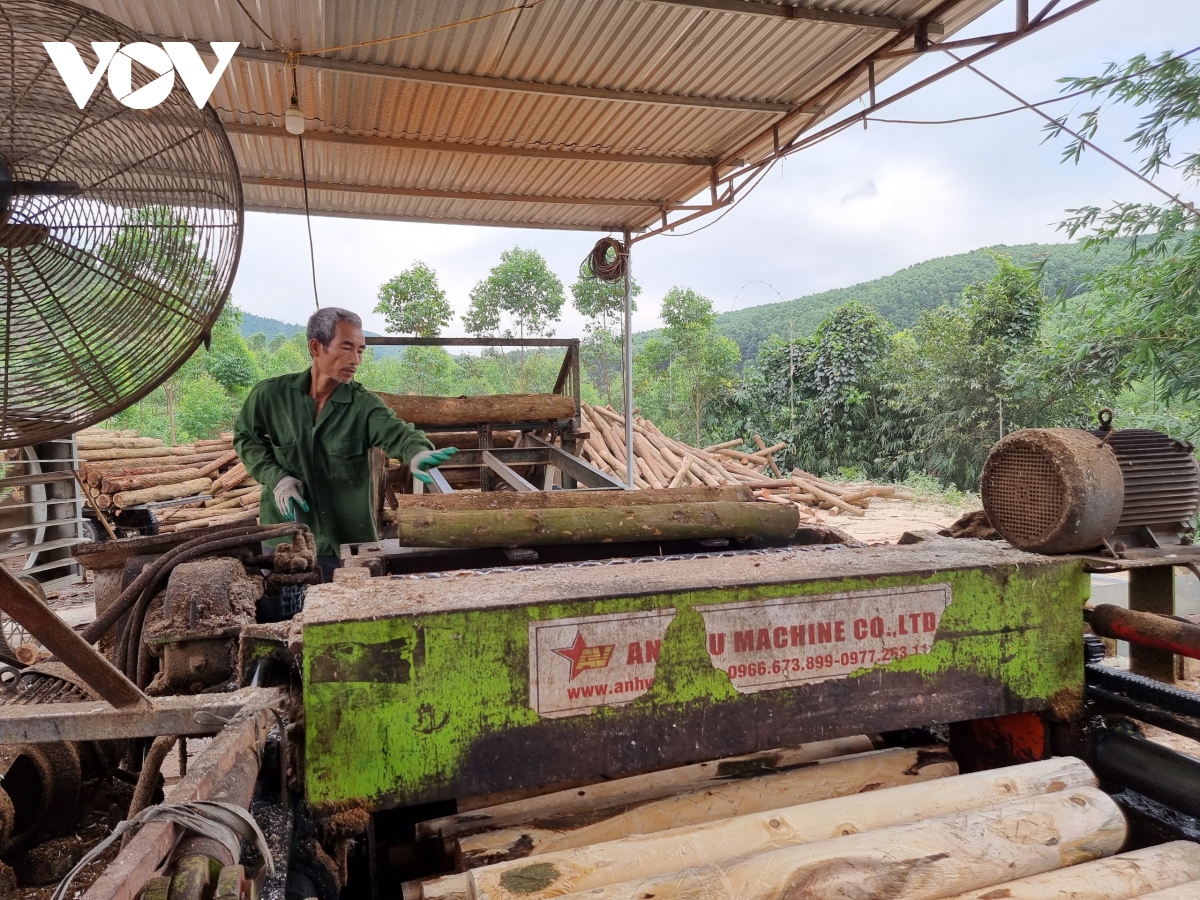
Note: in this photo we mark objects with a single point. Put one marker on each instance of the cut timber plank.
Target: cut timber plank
(446, 887)
(931, 858)
(646, 856)
(573, 499)
(593, 525)
(808, 782)
(1115, 878)
(444, 412)
(639, 788)
(93, 721)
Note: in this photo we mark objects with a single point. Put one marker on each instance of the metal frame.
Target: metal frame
(805, 13)
(52, 529)
(727, 187)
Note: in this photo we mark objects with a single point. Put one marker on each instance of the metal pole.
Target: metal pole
(628, 373)
(74, 652)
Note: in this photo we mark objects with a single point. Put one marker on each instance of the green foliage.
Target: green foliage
(520, 297)
(1145, 313)
(602, 348)
(683, 379)
(902, 296)
(413, 303)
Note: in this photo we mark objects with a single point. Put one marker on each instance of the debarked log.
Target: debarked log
(645, 856)
(464, 412)
(608, 525)
(1133, 874)
(931, 858)
(838, 777)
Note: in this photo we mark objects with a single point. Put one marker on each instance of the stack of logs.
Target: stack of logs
(120, 470)
(663, 462)
(825, 820)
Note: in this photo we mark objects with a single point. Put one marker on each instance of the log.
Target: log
(755, 458)
(825, 779)
(1189, 891)
(238, 518)
(110, 443)
(639, 788)
(126, 453)
(646, 856)
(162, 492)
(220, 462)
(1134, 874)
(614, 524)
(927, 859)
(116, 484)
(572, 499)
(682, 474)
(465, 412)
(736, 442)
(766, 451)
(123, 463)
(235, 494)
(252, 497)
(230, 479)
(830, 498)
(447, 887)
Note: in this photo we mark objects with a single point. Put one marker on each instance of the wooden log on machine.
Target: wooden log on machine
(219, 463)
(1135, 874)
(442, 412)
(1189, 891)
(931, 858)
(827, 778)
(573, 499)
(646, 856)
(230, 479)
(417, 527)
(160, 493)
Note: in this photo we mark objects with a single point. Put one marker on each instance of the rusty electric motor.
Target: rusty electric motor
(1064, 490)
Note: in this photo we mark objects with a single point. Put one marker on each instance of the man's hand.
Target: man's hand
(289, 490)
(429, 459)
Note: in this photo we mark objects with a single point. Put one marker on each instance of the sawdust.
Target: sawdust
(887, 518)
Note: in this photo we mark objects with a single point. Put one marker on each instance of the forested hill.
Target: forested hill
(902, 296)
(252, 324)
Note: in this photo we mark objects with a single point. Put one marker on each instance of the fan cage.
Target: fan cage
(108, 288)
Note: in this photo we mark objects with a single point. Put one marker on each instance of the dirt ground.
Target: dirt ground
(886, 519)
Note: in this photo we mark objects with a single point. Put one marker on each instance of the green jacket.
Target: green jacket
(279, 433)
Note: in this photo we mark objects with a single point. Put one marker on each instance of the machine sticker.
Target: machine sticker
(576, 665)
(764, 645)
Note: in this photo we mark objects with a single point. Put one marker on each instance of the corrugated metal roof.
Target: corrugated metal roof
(454, 123)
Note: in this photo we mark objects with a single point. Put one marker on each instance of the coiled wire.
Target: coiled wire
(606, 262)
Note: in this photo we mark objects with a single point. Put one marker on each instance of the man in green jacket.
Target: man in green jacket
(305, 438)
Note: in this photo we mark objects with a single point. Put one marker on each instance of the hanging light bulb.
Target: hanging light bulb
(293, 119)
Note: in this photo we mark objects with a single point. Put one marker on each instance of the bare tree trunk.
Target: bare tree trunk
(169, 388)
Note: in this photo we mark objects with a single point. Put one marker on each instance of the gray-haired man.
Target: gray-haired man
(305, 438)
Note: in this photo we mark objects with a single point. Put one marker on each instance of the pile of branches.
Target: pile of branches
(663, 462)
(122, 470)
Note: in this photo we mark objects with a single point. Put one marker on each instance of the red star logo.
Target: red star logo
(583, 657)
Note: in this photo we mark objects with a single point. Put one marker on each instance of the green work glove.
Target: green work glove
(429, 459)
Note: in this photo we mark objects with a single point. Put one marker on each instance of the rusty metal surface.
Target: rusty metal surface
(56, 636)
(527, 585)
(1161, 632)
(94, 721)
(1052, 490)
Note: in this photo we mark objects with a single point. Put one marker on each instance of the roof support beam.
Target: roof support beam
(370, 140)
(804, 13)
(388, 190)
(454, 79)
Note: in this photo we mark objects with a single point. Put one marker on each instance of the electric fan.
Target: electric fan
(120, 230)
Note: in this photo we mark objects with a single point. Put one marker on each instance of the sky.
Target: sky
(856, 207)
